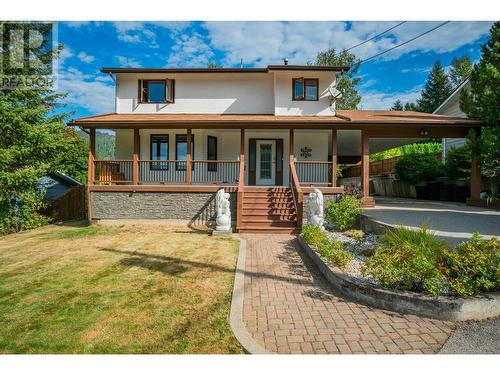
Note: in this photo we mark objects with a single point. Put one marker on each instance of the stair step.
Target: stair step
(284, 206)
(270, 216)
(260, 219)
(272, 224)
(267, 199)
(253, 229)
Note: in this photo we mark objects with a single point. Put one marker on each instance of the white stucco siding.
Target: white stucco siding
(283, 94)
(452, 108)
(238, 93)
(124, 144)
(317, 141)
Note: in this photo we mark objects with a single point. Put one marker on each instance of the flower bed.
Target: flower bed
(365, 291)
(405, 270)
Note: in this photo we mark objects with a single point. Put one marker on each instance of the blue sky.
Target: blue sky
(399, 74)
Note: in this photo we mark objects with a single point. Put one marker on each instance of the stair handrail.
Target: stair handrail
(296, 192)
(239, 194)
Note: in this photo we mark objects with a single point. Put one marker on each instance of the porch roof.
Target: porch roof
(342, 119)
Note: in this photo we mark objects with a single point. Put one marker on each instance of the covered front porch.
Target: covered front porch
(202, 153)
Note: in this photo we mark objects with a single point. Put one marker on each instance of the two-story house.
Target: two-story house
(267, 135)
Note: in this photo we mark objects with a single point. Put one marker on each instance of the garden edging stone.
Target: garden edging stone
(486, 305)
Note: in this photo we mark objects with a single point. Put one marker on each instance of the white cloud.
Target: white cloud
(385, 100)
(425, 69)
(189, 51)
(84, 90)
(128, 62)
(261, 43)
(66, 53)
(145, 32)
(86, 58)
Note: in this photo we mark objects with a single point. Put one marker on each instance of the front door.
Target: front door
(266, 162)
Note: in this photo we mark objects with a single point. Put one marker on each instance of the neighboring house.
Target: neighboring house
(56, 185)
(267, 135)
(451, 107)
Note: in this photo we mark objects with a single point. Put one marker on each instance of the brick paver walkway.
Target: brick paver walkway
(289, 308)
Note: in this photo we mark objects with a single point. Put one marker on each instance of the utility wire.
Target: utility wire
(343, 76)
(402, 44)
(376, 36)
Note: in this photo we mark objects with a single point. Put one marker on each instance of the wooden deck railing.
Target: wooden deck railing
(113, 172)
(164, 172)
(314, 173)
(298, 196)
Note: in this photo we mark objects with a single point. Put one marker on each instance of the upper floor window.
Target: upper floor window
(305, 88)
(156, 91)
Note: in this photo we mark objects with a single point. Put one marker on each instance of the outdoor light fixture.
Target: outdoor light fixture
(424, 132)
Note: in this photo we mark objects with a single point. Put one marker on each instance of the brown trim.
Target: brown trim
(227, 70)
(91, 158)
(475, 171)
(135, 166)
(162, 188)
(334, 157)
(241, 182)
(365, 164)
(303, 97)
(143, 96)
(188, 155)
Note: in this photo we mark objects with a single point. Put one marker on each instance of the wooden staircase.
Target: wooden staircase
(268, 210)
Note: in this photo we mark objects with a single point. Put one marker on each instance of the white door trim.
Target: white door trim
(269, 164)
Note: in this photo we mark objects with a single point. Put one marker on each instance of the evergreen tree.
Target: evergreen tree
(483, 102)
(437, 89)
(34, 141)
(461, 68)
(347, 85)
(397, 106)
(409, 106)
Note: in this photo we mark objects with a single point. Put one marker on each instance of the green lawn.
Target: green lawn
(131, 289)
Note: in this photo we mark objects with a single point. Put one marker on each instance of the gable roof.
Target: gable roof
(453, 94)
(228, 70)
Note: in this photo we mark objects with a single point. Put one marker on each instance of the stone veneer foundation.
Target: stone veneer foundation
(197, 208)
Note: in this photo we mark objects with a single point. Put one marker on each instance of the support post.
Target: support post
(91, 174)
(292, 145)
(334, 157)
(91, 169)
(241, 182)
(188, 157)
(367, 201)
(135, 165)
(475, 176)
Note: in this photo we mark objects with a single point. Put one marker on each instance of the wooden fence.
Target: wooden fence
(70, 206)
(379, 167)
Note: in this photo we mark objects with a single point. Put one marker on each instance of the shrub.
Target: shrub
(458, 162)
(415, 168)
(474, 266)
(355, 233)
(344, 212)
(406, 259)
(414, 148)
(330, 249)
(353, 189)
